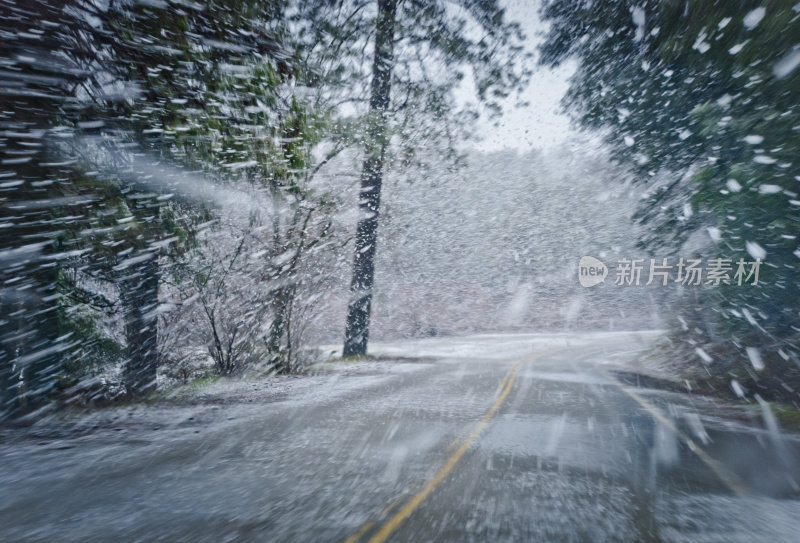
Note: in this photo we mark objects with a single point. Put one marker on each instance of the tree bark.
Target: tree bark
(281, 301)
(140, 298)
(30, 353)
(360, 305)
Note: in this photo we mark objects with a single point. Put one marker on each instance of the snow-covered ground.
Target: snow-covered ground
(498, 346)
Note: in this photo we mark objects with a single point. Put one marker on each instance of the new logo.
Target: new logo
(591, 271)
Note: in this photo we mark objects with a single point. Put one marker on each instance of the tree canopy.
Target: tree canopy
(700, 100)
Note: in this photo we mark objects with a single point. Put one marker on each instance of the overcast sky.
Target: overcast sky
(541, 124)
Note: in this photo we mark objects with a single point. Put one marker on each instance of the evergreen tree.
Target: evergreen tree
(700, 99)
(87, 88)
(392, 66)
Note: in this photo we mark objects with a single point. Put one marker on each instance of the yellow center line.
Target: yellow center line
(393, 523)
(361, 531)
(385, 511)
(501, 385)
(443, 472)
(727, 477)
(454, 442)
(730, 479)
(388, 509)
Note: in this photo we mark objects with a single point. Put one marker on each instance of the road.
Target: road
(488, 438)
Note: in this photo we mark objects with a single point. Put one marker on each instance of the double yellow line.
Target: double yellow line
(395, 521)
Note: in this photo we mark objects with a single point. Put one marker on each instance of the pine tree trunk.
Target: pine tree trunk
(140, 298)
(359, 307)
(280, 325)
(30, 357)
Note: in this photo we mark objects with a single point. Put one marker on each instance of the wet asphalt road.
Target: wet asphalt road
(486, 439)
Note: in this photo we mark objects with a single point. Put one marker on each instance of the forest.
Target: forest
(399, 270)
(194, 188)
